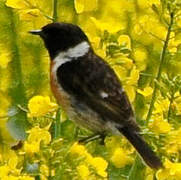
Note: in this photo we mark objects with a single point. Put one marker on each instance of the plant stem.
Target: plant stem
(57, 125)
(162, 62)
(17, 124)
(170, 107)
(137, 170)
(55, 14)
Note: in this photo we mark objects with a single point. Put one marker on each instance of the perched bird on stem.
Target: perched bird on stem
(88, 89)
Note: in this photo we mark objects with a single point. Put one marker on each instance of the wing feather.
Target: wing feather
(86, 78)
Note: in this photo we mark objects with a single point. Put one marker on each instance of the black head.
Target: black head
(60, 36)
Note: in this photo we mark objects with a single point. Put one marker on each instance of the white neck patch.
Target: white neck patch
(71, 54)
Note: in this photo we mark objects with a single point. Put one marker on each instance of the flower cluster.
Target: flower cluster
(140, 40)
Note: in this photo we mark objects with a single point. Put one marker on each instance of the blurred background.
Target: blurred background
(140, 39)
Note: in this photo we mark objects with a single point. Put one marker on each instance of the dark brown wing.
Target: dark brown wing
(91, 81)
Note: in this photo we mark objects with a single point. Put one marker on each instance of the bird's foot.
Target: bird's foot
(93, 138)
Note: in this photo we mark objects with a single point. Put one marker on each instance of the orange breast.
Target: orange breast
(61, 96)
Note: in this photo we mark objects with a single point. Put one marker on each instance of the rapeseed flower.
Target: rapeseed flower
(147, 91)
(172, 171)
(5, 57)
(17, 4)
(78, 149)
(44, 169)
(97, 163)
(40, 106)
(174, 141)
(159, 124)
(100, 165)
(140, 56)
(131, 83)
(124, 40)
(161, 106)
(83, 172)
(121, 158)
(85, 5)
(36, 136)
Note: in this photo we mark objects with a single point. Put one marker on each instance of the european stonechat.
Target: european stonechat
(88, 89)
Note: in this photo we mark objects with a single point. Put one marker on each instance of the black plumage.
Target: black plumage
(94, 96)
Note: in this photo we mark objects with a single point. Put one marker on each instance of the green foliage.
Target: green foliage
(141, 40)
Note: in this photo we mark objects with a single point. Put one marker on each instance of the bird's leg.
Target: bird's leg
(93, 138)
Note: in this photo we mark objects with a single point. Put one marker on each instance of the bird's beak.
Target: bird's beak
(35, 32)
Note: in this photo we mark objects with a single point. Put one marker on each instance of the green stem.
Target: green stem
(137, 170)
(57, 125)
(162, 62)
(170, 107)
(18, 123)
(55, 14)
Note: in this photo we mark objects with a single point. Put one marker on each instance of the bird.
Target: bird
(87, 88)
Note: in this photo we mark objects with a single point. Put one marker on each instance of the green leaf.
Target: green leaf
(17, 125)
(32, 168)
(138, 170)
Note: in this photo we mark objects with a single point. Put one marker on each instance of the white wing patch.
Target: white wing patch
(103, 94)
(70, 55)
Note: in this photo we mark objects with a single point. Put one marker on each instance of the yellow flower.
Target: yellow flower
(111, 26)
(134, 77)
(27, 14)
(131, 83)
(25, 178)
(100, 165)
(4, 57)
(112, 143)
(174, 141)
(44, 170)
(147, 91)
(121, 72)
(37, 134)
(40, 106)
(18, 4)
(10, 177)
(31, 148)
(144, 4)
(120, 158)
(85, 5)
(122, 63)
(78, 149)
(83, 172)
(140, 56)
(173, 44)
(177, 103)
(159, 125)
(161, 106)
(149, 174)
(172, 171)
(4, 171)
(127, 63)
(124, 40)
(9, 169)
(151, 25)
(130, 91)
(13, 160)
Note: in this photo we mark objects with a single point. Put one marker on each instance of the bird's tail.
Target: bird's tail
(142, 147)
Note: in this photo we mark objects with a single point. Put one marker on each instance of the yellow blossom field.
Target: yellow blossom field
(140, 40)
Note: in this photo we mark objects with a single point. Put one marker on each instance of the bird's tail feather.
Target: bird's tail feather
(142, 147)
